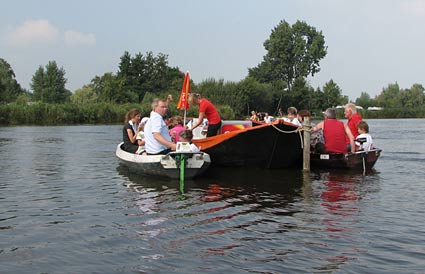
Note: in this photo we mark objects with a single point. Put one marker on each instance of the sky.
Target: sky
(370, 43)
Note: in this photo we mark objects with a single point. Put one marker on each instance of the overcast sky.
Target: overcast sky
(371, 43)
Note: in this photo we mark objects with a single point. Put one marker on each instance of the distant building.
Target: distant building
(375, 108)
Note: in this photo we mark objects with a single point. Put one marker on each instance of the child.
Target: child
(176, 126)
(140, 136)
(292, 116)
(364, 140)
(187, 136)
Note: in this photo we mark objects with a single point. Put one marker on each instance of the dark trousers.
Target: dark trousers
(213, 129)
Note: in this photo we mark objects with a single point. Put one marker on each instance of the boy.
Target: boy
(364, 140)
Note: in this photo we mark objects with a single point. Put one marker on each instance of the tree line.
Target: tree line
(279, 81)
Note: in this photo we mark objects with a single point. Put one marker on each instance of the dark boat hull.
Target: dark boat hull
(360, 160)
(265, 146)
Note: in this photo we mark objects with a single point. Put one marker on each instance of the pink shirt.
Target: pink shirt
(175, 132)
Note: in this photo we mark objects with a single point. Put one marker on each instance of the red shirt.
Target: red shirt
(210, 111)
(334, 135)
(352, 125)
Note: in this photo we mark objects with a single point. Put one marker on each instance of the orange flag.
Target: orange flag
(183, 103)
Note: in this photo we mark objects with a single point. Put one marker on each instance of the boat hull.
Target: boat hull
(267, 146)
(164, 165)
(360, 160)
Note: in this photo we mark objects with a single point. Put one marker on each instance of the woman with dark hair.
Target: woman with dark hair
(132, 119)
(206, 110)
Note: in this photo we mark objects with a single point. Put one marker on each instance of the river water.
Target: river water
(66, 206)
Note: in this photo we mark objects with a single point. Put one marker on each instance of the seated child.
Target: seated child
(187, 136)
(292, 116)
(364, 140)
(140, 136)
(176, 126)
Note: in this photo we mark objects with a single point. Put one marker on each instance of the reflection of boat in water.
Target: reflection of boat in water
(361, 160)
(165, 165)
(276, 145)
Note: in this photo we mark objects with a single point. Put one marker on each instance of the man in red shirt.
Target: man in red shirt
(334, 133)
(206, 110)
(353, 117)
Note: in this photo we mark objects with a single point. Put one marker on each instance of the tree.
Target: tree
(147, 73)
(292, 52)
(389, 97)
(48, 84)
(413, 97)
(84, 95)
(9, 87)
(332, 94)
(364, 100)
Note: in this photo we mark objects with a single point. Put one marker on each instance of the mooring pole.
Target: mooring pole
(306, 149)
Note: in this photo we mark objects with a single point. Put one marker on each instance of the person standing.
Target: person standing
(206, 110)
(132, 119)
(157, 138)
(334, 134)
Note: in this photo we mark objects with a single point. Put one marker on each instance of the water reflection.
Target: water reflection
(339, 193)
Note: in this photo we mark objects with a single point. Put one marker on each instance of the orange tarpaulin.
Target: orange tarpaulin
(183, 103)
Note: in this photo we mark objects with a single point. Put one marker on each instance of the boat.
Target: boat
(243, 143)
(195, 163)
(360, 160)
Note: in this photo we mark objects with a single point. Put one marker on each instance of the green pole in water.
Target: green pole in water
(182, 158)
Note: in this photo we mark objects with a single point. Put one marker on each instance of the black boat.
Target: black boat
(242, 144)
(360, 160)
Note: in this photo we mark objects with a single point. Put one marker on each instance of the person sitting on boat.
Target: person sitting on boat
(364, 140)
(254, 116)
(187, 136)
(206, 110)
(350, 112)
(140, 136)
(316, 137)
(291, 116)
(267, 118)
(132, 119)
(157, 138)
(303, 113)
(334, 134)
(176, 127)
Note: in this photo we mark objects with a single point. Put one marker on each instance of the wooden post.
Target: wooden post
(306, 150)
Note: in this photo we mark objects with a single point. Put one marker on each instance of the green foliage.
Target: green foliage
(332, 95)
(365, 101)
(49, 85)
(56, 114)
(9, 87)
(147, 73)
(292, 52)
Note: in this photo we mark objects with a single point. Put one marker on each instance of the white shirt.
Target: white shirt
(155, 124)
(293, 121)
(364, 141)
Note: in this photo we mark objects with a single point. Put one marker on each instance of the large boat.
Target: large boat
(244, 144)
(360, 160)
(195, 163)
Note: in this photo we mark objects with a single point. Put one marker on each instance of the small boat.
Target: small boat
(167, 165)
(244, 144)
(360, 160)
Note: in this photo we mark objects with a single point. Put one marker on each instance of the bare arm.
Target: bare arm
(351, 137)
(200, 120)
(164, 141)
(317, 127)
(131, 136)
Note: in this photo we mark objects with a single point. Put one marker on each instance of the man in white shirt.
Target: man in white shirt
(157, 138)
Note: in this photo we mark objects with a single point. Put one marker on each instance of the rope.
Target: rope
(292, 131)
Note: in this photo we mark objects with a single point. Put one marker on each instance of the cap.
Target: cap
(144, 120)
